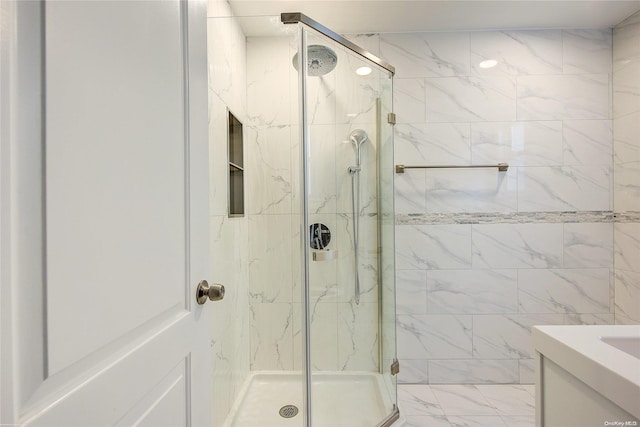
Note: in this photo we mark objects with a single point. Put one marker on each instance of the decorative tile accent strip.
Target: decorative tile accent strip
(516, 217)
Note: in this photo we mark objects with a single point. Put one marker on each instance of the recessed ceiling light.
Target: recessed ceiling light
(363, 71)
(488, 63)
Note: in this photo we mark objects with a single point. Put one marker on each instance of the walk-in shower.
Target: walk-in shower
(306, 333)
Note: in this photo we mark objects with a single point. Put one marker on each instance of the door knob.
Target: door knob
(214, 292)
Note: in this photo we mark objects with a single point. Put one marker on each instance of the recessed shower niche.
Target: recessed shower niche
(309, 322)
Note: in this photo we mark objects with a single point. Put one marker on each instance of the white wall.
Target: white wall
(626, 133)
(229, 236)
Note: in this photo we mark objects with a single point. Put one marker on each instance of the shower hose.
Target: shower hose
(355, 205)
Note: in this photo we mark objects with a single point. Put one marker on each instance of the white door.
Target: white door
(107, 220)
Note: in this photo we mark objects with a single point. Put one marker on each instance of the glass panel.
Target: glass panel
(387, 239)
(350, 196)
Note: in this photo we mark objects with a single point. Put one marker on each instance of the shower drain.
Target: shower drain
(288, 411)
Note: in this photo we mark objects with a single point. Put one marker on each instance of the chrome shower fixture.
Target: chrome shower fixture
(320, 60)
(357, 138)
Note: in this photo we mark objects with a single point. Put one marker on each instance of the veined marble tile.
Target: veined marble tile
(268, 73)
(519, 420)
(587, 51)
(413, 371)
(271, 336)
(411, 292)
(625, 138)
(473, 371)
(507, 336)
(626, 89)
(589, 319)
(218, 164)
(509, 400)
(434, 336)
(472, 291)
(432, 144)
(557, 97)
(587, 142)
(433, 247)
(356, 103)
(588, 245)
(471, 190)
(627, 295)
(322, 169)
(476, 421)
(564, 188)
(584, 290)
(626, 36)
(627, 186)
(425, 420)
(367, 258)
(426, 54)
(408, 100)
(368, 42)
(462, 400)
(471, 99)
(219, 56)
(270, 254)
(321, 98)
(230, 333)
(324, 330)
(517, 52)
(527, 369)
(621, 320)
(627, 246)
(268, 170)
(411, 192)
(517, 245)
(418, 400)
(529, 143)
(357, 337)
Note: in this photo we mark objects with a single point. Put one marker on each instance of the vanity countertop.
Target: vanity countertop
(607, 366)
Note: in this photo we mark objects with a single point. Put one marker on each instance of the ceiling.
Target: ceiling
(368, 16)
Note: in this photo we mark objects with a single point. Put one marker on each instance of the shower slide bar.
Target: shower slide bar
(502, 167)
(295, 17)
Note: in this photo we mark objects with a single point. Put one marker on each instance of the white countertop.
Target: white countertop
(613, 373)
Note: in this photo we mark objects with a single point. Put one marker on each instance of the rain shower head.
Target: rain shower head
(358, 137)
(320, 60)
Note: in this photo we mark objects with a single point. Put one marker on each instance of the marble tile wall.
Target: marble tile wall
(483, 256)
(229, 236)
(626, 144)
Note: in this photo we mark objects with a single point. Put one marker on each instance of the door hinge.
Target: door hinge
(395, 367)
(391, 118)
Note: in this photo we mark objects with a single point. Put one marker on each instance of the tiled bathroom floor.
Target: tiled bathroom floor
(467, 405)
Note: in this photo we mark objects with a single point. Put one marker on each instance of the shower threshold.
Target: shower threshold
(354, 399)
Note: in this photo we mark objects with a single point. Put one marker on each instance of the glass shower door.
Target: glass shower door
(348, 156)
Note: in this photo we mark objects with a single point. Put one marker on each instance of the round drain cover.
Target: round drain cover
(288, 411)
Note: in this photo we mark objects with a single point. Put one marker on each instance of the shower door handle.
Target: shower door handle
(204, 292)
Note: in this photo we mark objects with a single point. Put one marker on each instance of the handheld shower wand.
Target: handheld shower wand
(357, 138)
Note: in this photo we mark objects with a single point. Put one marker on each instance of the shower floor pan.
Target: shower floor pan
(338, 400)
